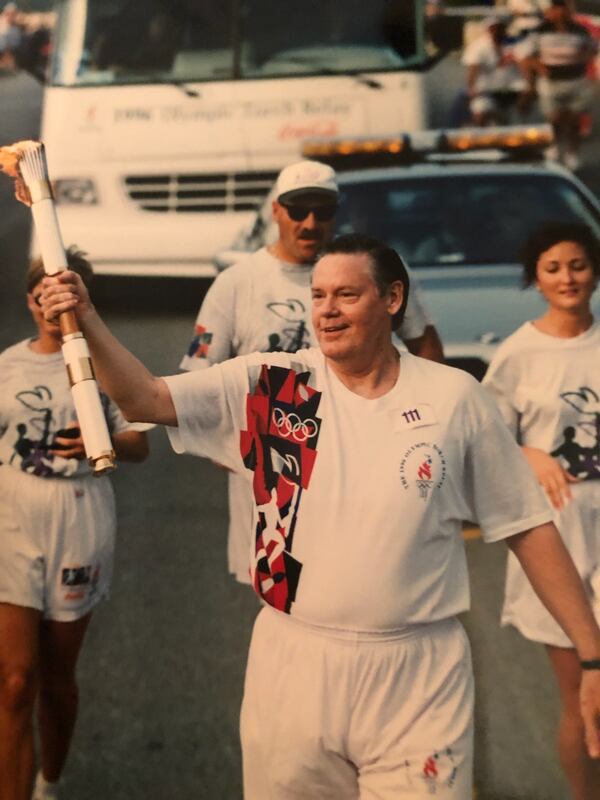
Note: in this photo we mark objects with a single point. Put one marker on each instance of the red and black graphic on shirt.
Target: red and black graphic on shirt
(280, 448)
(201, 342)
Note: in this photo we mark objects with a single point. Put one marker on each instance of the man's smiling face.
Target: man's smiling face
(350, 315)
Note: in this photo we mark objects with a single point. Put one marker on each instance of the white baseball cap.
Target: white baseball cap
(304, 177)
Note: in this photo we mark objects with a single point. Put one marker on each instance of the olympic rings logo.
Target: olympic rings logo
(291, 425)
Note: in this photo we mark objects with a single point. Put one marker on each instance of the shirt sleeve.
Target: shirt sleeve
(416, 317)
(212, 405)
(472, 53)
(208, 403)
(501, 490)
(213, 336)
(501, 381)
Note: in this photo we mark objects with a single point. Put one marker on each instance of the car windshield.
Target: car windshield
(127, 41)
(461, 219)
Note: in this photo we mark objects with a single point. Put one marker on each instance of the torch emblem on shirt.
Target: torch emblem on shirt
(424, 474)
(423, 466)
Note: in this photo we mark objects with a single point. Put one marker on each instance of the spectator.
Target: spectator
(494, 81)
(556, 58)
(10, 35)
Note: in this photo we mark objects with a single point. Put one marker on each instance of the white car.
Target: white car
(460, 224)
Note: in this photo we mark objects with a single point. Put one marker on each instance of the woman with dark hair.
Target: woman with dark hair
(57, 529)
(546, 381)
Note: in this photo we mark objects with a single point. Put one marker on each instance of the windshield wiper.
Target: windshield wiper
(183, 87)
(360, 77)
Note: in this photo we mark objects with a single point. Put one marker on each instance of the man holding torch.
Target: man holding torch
(363, 462)
(263, 303)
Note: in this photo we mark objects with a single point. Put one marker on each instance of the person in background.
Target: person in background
(546, 382)
(525, 17)
(11, 35)
(495, 83)
(57, 529)
(262, 303)
(556, 57)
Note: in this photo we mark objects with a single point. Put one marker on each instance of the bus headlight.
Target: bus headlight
(75, 191)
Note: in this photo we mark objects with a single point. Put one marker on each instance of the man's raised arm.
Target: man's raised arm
(141, 396)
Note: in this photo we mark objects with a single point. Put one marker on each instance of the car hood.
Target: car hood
(475, 308)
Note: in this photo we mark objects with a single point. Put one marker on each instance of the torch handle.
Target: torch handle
(68, 323)
(84, 389)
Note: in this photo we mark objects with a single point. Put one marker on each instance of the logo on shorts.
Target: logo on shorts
(439, 769)
(77, 576)
(423, 466)
(80, 582)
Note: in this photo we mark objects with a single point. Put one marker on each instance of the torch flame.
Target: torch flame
(10, 158)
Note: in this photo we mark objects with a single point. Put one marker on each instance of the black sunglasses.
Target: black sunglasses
(298, 213)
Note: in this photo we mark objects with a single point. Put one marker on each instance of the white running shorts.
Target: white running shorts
(579, 526)
(346, 716)
(571, 95)
(56, 542)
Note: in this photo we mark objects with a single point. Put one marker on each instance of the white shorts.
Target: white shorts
(579, 526)
(56, 542)
(572, 95)
(339, 717)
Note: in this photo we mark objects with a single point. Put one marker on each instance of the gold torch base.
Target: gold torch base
(103, 464)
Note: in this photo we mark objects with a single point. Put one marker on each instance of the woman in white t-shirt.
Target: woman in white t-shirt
(546, 380)
(57, 528)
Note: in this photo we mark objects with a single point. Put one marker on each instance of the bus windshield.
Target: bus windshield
(101, 42)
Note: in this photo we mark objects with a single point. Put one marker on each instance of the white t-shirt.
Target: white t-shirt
(359, 502)
(497, 70)
(36, 405)
(263, 304)
(548, 391)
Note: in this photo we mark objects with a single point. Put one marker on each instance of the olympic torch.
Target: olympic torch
(25, 162)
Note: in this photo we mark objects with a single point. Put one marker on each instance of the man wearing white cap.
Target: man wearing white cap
(263, 302)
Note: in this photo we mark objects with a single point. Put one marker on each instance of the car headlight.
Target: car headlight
(75, 191)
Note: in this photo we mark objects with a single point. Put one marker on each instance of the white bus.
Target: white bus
(165, 122)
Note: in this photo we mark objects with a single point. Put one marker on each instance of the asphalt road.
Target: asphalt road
(161, 673)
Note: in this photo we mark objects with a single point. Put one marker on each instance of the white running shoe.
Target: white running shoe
(44, 790)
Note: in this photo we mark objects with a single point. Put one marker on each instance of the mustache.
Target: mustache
(311, 236)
